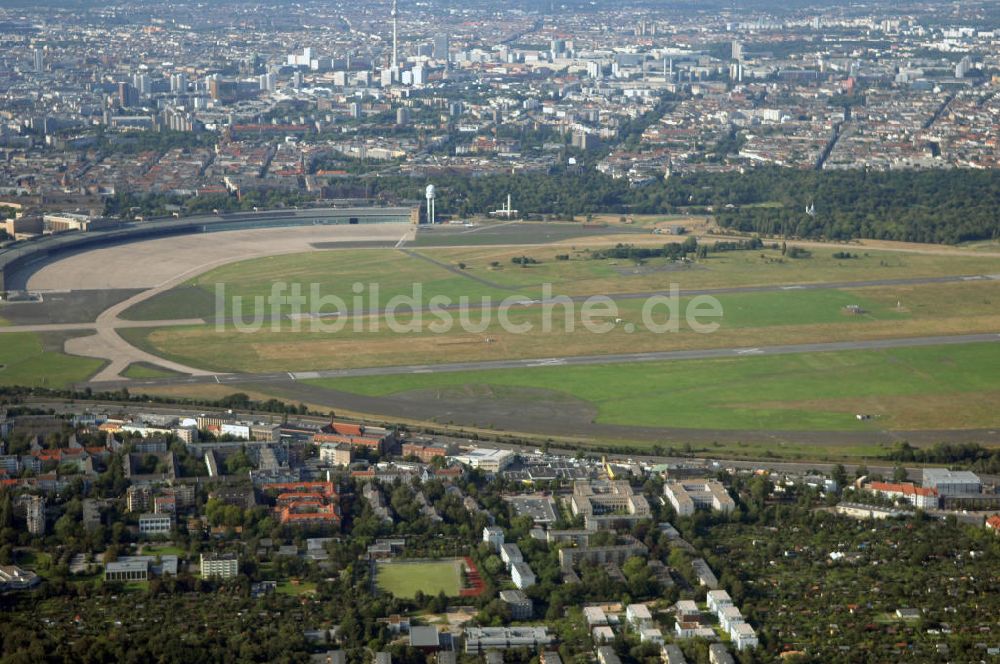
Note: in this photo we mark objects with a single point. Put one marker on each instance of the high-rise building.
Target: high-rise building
(402, 116)
(39, 60)
(178, 83)
(441, 47)
(127, 95)
(34, 514)
(737, 50)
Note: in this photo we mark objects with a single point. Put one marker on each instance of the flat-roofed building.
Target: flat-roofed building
(717, 654)
(486, 460)
(671, 653)
(13, 577)
(155, 524)
(520, 605)
(952, 482)
(522, 575)
(743, 636)
(221, 565)
(335, 454)
(688, 495)
(481, 639)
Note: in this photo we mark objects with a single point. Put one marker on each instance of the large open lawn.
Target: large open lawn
(37, 360)
(914, 388)
(749, 319)
(404, 579)
(475, 272)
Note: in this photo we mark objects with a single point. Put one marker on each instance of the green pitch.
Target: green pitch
(404, 579)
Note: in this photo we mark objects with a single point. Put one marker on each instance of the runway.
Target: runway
(579, 360)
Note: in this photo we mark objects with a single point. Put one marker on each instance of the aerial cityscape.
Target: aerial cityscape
(529, 332)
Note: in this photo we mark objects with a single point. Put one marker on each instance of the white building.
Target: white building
(718, 599)
(510, 553)
(743, 636)
(493, 535)
(638, 616)
(522, 575)
(688, 495)
(222, 565)
(595, 616)
(651, 635)
(729, 616)
(487, 460)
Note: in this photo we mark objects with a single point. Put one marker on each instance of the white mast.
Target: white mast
(395, 42)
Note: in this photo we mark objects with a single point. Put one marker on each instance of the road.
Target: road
(578, 360)
(773, 465)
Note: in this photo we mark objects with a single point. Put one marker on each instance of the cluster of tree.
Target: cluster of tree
(524, 260)
(672, 250)
(968, 455)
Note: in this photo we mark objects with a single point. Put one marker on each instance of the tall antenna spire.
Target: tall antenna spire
(395, 42)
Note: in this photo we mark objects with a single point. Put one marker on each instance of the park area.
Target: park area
(405, 578)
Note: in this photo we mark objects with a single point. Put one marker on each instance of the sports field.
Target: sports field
(404, 578)
(909, 388)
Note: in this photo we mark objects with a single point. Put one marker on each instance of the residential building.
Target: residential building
(671, 654)
(743, 636)
(651, 635)
(221, 565)
(706, 577)
(522, 575)
(638, 616)
(595, 616)
(493, 535)
(993, 523)
(34, 513)
(607, 655)
(425, 453)
(922, 497)
(729, 616)
(604, 503)
(600, 555)
(335, 454)
(688, 495)
(510, 553)
(693, 630)
(717, 654)
(520, 605)
(717, 600)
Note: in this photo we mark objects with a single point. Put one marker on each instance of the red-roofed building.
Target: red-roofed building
(357, 436)
(924, 498)
(306, 503)
(424, 452)
(993, 523)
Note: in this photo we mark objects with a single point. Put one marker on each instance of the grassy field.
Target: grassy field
(916, 388)
(475, 272)
(404, 579)
(36, 360)
(749, 319)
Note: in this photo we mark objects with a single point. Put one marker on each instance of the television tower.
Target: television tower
(395, 42)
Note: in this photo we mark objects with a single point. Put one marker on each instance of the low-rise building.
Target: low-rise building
(487, 460)
(481, 639)
(952, 482)
(13, 577)
(922, 497)
(718, 600)
(510, 553)
(651, 635)
(607, 655)
(155, 524)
